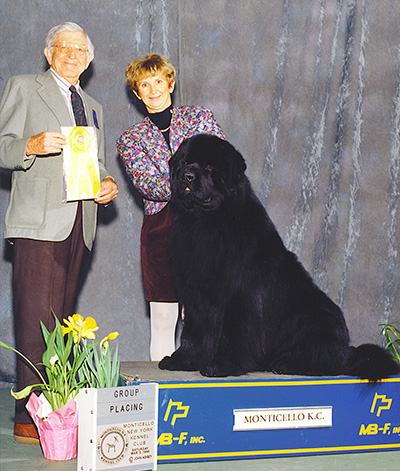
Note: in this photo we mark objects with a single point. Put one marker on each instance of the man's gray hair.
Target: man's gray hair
(69, 26)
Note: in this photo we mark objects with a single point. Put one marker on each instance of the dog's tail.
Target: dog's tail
(372, 362)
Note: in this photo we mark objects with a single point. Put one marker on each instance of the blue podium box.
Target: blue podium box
(253, 416)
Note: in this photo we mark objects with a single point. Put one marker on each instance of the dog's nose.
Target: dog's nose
(189, 176)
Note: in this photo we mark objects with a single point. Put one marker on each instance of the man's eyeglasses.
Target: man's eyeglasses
(66, 48)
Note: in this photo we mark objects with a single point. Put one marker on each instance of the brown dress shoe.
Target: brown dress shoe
(26, 433)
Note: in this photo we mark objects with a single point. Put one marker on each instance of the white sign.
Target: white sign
(118, 428)
(282, 418)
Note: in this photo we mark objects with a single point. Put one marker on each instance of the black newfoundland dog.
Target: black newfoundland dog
(249, 304)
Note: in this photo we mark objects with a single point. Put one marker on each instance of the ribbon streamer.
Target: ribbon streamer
(82, 176)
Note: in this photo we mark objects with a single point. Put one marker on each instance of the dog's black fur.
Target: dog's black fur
(249, 304)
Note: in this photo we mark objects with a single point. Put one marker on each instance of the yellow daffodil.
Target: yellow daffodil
(104, 342)
(74, 324)
(80, 327)
(89, 327)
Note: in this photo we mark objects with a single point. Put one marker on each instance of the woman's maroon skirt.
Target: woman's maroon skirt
(155, 258)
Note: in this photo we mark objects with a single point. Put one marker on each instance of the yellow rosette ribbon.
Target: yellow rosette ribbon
(83, 176)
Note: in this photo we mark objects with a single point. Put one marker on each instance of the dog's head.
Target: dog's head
(205, 172)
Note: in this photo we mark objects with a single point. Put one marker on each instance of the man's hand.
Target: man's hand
(47, 142)
(108, 191)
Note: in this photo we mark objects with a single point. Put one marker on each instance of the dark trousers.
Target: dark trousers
(45, 280)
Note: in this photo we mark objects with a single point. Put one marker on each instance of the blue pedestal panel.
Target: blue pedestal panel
(242, 419)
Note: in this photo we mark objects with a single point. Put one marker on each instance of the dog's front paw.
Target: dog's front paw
(178, 362)
(219, 371)
(210, 371)
(167, 363)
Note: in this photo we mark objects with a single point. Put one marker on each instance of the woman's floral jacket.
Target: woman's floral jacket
(145, 152)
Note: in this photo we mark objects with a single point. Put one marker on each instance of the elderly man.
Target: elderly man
(49, 235)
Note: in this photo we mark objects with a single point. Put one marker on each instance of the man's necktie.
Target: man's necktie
(77, 106)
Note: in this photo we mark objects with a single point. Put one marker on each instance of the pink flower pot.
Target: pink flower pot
(58, 431)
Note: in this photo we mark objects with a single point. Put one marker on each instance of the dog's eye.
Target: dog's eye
(208, 167)
(184, 163)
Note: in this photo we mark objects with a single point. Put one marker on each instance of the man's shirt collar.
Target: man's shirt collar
(62, 83)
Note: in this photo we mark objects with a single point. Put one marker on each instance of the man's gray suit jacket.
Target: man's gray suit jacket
(30, 105)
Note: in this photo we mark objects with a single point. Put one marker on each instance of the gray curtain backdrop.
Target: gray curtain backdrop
(307, 90)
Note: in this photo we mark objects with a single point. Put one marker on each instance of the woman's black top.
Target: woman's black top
(163, 121)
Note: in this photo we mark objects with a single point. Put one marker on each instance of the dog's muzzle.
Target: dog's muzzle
(187, 179)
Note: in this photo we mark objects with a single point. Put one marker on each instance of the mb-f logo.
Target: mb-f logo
(178, 411)
(174, 411)
(380, 403)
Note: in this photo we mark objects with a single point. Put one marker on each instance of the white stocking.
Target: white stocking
(163, 319)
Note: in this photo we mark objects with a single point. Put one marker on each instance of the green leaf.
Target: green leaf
(67, 349)
(24, 392)
(8, 347)
(45, 332)
(389, 331)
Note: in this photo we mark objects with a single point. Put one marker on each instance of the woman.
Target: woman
(145, 150)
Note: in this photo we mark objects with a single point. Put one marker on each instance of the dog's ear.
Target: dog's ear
(235, 164)
(176, 160)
